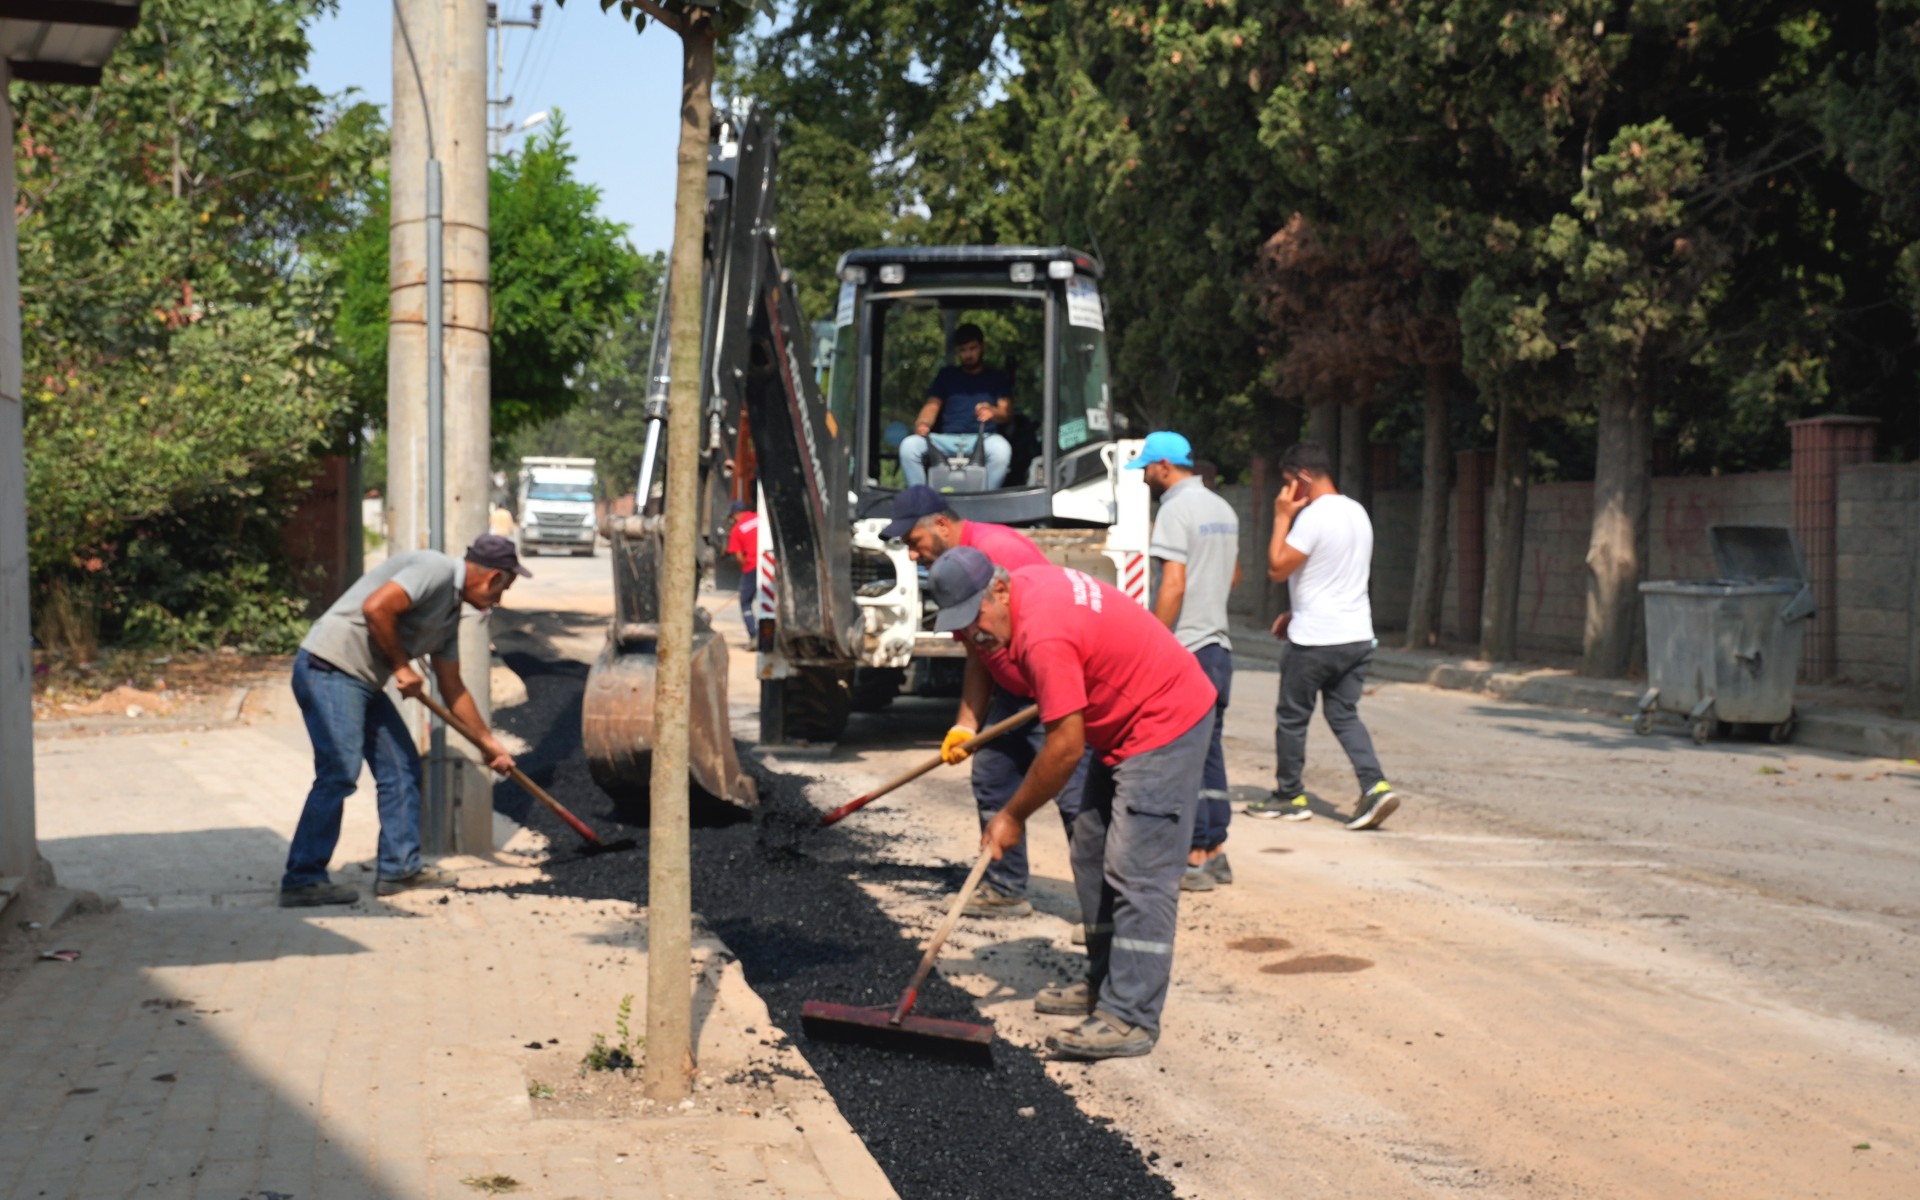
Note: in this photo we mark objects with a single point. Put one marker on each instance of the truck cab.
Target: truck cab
(557, 505)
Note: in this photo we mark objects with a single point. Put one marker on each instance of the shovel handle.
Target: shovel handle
(515, 773)
(940, 936)
(971, 744)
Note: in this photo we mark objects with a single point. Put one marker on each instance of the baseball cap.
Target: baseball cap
(957, 581)
(1163, 445)
(909, 506)
(496, 553)
(738, 506)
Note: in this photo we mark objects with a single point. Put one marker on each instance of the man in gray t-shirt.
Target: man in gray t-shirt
(406, 607)
(1196, 549)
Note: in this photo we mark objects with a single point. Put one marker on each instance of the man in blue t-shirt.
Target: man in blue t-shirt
(962, 399)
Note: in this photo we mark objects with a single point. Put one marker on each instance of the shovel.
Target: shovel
(896, 1028)
(594, 844)
(974, 743)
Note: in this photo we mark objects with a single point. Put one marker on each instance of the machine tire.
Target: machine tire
(874, 688)
(817, 703)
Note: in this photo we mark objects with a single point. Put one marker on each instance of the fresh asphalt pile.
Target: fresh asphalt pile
(803, 929)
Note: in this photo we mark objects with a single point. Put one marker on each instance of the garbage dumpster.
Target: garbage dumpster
(1726, 651)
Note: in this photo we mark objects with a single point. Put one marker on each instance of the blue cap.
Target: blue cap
(738, 506)
(1163, 445)
(909, 506)
(957, 581)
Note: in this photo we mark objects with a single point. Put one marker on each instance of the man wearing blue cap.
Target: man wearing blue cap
(403, 608)
(1105, 675)
(991, 692)
(967, 400)
(1196, 550)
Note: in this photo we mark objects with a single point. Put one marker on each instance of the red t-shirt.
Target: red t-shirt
(1009, 548)
(1087, 647)
(744, 538)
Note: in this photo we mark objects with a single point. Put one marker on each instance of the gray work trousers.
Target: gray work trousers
(1130, 845)
(1339, 673)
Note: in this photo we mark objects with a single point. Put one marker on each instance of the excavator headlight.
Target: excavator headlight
(1060, 268)
(857, 276)
(1021, 272)
(893, 273)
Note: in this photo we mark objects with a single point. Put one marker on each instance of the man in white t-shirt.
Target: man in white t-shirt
(1322, 546)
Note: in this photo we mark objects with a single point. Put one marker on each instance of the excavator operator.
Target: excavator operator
(967, 401)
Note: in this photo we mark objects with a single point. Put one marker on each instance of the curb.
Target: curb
(1846, 731)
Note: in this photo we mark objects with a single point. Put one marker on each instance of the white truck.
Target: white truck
(556, 505)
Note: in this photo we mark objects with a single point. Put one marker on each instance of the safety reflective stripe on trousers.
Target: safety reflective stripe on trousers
(1140, 947)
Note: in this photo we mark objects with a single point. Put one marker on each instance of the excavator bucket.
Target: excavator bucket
(618, 711)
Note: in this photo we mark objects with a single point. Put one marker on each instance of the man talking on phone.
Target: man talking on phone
(1322, 546)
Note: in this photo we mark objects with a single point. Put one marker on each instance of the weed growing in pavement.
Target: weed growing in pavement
(540, 1091)
(620, 1055)
(492, 1184)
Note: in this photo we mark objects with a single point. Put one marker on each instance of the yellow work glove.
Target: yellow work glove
(953, 748)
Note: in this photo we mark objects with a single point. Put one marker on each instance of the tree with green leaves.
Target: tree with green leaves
(176, 227)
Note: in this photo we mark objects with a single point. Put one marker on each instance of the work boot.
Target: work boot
(990, 902)
(425, 877)
(1218, 868)
(1197, 879)
(1375, 807)
(316, 894)
(1101, 1036)
(1071, 1000)
(1273, 805)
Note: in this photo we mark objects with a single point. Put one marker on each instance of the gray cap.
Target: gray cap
(957, 581)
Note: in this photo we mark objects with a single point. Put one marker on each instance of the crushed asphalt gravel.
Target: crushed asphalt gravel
(805, 930)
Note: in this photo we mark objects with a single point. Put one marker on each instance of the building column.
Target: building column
(1821, 447)
(19, 851)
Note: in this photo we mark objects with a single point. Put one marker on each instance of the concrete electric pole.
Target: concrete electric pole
(438, 371)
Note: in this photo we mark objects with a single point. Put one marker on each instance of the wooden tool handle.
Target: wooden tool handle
(940, 935)
(515, 773)
(971, 744)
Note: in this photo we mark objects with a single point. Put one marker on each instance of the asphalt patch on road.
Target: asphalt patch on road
(803, 929)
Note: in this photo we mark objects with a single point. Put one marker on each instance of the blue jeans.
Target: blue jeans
(1216, 809)
(913, 455)
(998, 769)
(349, 720)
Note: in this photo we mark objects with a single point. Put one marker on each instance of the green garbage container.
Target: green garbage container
(1726, 652)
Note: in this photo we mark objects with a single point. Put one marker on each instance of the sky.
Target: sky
(619, 90)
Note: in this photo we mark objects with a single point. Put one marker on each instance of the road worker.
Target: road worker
(991, 692)
(1106, 675)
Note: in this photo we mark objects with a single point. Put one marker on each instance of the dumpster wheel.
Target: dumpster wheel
(1643, 722)
(1782, 733)
(1703, 730)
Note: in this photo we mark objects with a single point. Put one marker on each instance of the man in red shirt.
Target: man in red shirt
(1106, 674)
(991, 692)
(743, 544)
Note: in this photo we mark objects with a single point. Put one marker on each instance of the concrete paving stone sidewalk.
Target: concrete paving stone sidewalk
(209, 1044)
(1825, 718)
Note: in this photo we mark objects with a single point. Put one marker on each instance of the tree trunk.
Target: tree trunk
(1352, 471)
(1323, 426)
(1506, 530)
(670, 870)
(1616, 550)
(1430, 560)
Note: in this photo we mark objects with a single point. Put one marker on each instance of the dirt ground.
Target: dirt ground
(143, 691)
(1576, 963)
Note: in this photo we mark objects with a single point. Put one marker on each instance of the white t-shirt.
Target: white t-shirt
(1330, 604)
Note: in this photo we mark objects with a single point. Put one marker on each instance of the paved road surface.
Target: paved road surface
(1577, 962)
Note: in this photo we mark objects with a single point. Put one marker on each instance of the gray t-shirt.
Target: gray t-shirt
(1199, 529)
(430, 625)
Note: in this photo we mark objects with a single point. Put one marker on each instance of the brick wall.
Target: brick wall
(1879, 505)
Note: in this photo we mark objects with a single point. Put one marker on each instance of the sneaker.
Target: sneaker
(1101, 1036)
(1072, 1000)
(1196, 879)
(316, 894)
(425, 877)
(987, 902)
(1218, 868)
(1286, 810)
(1375, 807)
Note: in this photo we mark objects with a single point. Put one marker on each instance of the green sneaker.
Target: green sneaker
(1197, 879)
(1273, 807)
(1218, 867)
(1375, 807)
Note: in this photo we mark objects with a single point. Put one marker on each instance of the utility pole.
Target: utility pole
(438, 373)
(498, 102)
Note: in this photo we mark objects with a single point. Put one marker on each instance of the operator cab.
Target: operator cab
(1015, 414)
